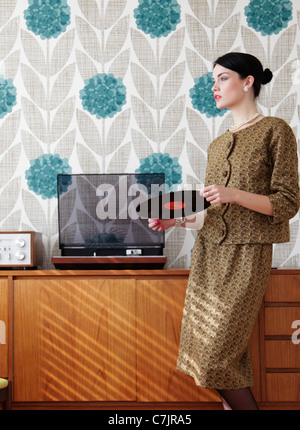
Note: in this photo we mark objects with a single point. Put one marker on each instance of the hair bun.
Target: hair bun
(267, 76)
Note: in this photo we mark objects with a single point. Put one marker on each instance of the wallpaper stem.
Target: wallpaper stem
(158, 95)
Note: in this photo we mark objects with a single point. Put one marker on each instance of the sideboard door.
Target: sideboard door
(159, 313)
(3, 328)
(74, 340)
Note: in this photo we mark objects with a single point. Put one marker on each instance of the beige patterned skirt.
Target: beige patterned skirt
(224, 294)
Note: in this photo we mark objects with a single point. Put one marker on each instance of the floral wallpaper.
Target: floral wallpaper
(124, 86)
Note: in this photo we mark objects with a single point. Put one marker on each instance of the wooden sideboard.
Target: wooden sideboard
(109, 340)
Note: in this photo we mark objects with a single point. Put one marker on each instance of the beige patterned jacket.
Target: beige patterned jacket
(262, 159)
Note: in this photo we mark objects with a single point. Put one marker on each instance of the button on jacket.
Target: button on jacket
(261, 159)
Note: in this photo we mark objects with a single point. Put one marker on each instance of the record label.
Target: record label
(174, 205)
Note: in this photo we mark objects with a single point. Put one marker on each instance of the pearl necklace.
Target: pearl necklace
(236, 127)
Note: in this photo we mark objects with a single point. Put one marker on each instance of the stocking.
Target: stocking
(240, 399)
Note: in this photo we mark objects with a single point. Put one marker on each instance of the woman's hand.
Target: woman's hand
(255, 202)
(160, 224)
(218, 194)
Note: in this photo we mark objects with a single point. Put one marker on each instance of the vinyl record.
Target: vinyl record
(172, 205)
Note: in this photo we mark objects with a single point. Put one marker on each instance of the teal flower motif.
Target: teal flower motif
(103, 95)
(157, 17)
(42, 175)
(153, 183)
(269, 16)
(63, 182)
(202, 97)
(8, 96)
(162, 163)
(47, 18)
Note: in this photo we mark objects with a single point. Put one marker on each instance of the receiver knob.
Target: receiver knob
(20, 255)
(20, 242)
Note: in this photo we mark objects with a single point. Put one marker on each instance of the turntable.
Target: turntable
(98, 224)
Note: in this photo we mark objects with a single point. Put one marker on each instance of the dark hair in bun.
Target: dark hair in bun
(245, 65)
(267, 76)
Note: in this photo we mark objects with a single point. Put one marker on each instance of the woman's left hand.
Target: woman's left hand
(218, 194)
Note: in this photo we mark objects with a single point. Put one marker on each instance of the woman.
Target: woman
(253, 187)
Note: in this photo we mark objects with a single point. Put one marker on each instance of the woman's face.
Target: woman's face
(228, 87)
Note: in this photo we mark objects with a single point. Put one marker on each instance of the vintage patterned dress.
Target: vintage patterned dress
(232, 255)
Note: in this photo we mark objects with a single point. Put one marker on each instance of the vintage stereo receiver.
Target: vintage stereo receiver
(20, 249)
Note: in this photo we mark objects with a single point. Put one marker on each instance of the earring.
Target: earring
(245, 89)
